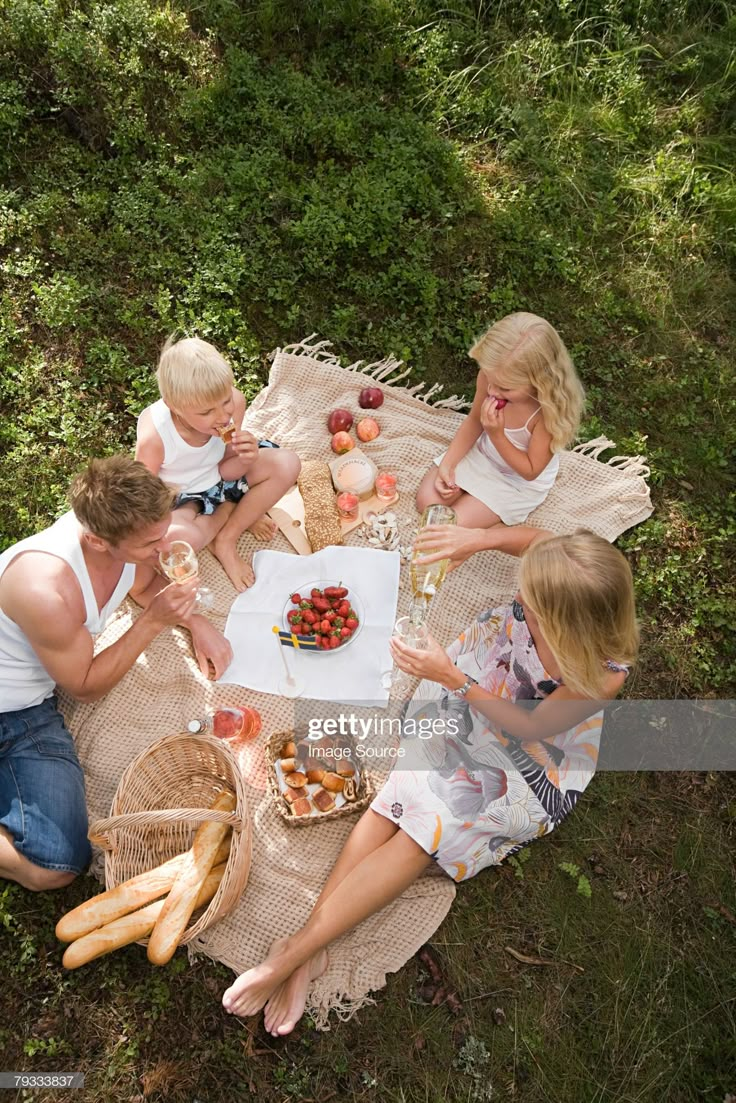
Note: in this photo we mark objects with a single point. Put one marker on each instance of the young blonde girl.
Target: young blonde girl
(504, 458)
(499, 775)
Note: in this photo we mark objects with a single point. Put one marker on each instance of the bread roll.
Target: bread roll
(132, 927)
(345, 769)
(182, 900)
(296, 779)
(288, 750)
(288, 765)
(302, 807)
(295, 794)
(324, 801)
(316, 774)
(333, 782)
(126, 897)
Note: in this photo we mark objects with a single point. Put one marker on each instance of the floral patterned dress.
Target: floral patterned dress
(473, 797)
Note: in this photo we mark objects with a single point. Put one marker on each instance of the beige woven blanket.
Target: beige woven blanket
(165, 689)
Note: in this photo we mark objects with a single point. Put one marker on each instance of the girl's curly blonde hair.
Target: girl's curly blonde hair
(581, 590)
(526, 351)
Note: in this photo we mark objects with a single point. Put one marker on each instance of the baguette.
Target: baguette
(182, 900)
(130, 928)
(124, 898)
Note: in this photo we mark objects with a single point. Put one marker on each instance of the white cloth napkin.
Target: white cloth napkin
(350, 674)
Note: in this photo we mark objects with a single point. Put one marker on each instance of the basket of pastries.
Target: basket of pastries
(310, 781)
(177, 850)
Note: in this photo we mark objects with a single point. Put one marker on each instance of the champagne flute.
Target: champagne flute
(413, 635)
(179, 563)
(427, 578)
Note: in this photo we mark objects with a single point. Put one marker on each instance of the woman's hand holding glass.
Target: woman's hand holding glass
(431, 662)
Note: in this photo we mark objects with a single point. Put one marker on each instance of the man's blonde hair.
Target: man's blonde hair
(527, 352)
(117, 496)
(191, 372)
(581, 590)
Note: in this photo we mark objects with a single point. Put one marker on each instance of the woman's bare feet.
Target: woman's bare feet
(286, 1005)
(263, 529)
(238, 571)
(248, 994)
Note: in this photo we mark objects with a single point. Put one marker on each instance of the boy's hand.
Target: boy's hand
(245, 445)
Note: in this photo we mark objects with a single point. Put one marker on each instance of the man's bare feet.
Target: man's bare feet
(263, 529)
(286, 1005)
(238, 571)
(248, 994)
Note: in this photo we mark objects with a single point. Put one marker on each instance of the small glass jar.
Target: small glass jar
(347, 506)
(386, 486)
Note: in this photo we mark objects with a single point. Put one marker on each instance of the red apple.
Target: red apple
(370, 398)
(342, 442)
(367, 429)
(339, 420)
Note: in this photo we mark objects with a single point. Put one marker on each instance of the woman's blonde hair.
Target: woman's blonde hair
(525, 351)
(581, 591)
(192, 372)
(118, 496)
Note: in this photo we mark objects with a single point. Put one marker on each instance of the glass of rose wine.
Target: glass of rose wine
(179, 563)
(427, 578)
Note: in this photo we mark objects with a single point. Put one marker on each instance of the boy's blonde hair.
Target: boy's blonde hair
(191, 372)
(117, 496)
(581, 590)
(527, 352)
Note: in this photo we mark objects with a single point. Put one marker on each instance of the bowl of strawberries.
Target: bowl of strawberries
(326, 613)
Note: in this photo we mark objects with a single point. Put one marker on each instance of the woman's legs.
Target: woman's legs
(377, 880)
(286, 1005)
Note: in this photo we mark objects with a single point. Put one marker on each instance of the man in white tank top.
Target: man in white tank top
(57, 591)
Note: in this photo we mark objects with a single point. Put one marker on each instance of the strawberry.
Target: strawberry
(294, 615)
(351, 623)
(297, 626)
(309, 616)
(296, 599)
(345, 632)
(343, 609)
(334, 642)
(316, 592)
(325, 626)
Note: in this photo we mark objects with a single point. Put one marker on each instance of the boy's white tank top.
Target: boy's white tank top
(190, 469)
(24, 680)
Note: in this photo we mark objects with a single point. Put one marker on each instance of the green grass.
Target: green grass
(395, 175)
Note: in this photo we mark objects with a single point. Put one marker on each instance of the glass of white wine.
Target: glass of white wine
(413, 635)
(427, 578)
(179, 563)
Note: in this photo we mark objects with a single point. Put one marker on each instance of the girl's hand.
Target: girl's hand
(245, 445)
(451, 542)
(444, 483)
(491, 418)
(433, 663)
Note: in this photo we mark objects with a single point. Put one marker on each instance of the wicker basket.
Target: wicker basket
(364, 794)
(165, 794)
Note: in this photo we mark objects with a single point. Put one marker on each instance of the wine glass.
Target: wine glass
(179, 563)
(413, 635)
(427, 578)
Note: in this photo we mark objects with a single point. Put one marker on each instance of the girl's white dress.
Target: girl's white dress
(484, 473)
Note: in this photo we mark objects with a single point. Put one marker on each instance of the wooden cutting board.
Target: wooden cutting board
(288, 513)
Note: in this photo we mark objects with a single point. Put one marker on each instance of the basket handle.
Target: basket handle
(100, 830)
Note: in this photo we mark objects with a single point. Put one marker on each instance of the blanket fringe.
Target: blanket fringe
(635, 466)
(388, 371)
(343, 1006)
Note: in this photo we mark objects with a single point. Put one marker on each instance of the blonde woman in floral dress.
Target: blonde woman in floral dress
(497, 776)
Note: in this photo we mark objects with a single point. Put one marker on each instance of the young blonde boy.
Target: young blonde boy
(224, 488)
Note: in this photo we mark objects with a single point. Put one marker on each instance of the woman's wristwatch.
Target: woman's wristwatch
(467, 685)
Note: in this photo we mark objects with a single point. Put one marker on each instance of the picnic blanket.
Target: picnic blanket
(164, 689)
